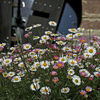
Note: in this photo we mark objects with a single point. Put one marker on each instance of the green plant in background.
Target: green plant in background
(57, 67)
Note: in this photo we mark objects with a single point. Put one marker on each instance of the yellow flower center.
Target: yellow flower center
(45, 64)
(76, 81)
(91, 50)
(35, 86)
(62, 59)
(41, 51)
(45, 90)
(22, 65)
(73, 29)
(60, 43)
(65, 90)
(70, 35)
(44, 37)
(88, 89)
(7, 61)
(16, 79)
(72, 62)
(2, 45)
(82, 40)
(67, 49)
(27, 46)
(33, 68)
(37, 64)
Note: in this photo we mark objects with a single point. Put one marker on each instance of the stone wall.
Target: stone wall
(91, 15)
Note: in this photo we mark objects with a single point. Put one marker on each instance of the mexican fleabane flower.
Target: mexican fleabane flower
(85, 72)
(7, 61)
(91, 50)
(48, 32)
(70, 36)
(27, 46)
(63, 59)
(72, 62)
(71, 72)
(21, 64)
(83, 92)
(61, 43)
(45, 64)
(16, 79)
(45, 37)
(35, 86)
(37, 81)
(66, 49)
(65, 90)
(73, 30)
(11, 74)
(88, 89)
(33, 68)
(52, 23)
(76, 80)
(45, 90)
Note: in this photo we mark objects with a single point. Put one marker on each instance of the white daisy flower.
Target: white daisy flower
(37, 81)
(78, 34)
(33, 68)
(74, 55)
(37, 64)
(36, 37)
(63, 59)
(42, 41)
(72, 62)
(9, 53)
(60, 42)
(74, 51)
(44, 64)
(21, 74)
(66, 49)
(76, 80)
(26, 46)
(17, 59)
(52, 23)
(80, 65)
(41, 51)
(21, 64)
(28, 28)
(73, 30)
(37, 25)
(97, 69)
(70, 36)
(5, 74)
(2, 44)
(35, 56)
(7, 61)
(96, 44)
(16, 79)
(35, 87)
(71, 72)
(87, 55)
(31, 54)
(12, 48)
(97, 74)
(65, 90)
(45, 37)
(85, 71)
(91, 50)
(11, 74)
(45, 90)
(48, 32)
(80, 29)
(54, 34)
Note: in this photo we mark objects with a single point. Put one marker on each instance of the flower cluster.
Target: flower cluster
(63, 64)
